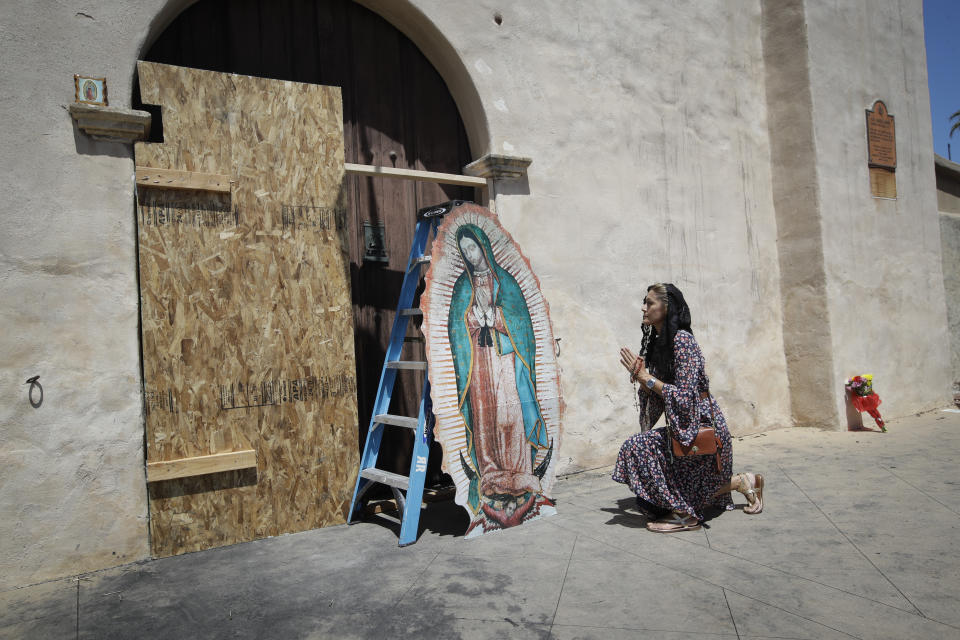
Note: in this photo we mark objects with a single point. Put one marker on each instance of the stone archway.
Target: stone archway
(416, 26)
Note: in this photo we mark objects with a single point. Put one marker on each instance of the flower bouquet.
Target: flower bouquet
(863, 397)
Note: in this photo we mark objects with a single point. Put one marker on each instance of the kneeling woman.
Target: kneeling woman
(672, 380)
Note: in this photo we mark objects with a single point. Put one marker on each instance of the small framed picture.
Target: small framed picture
(91, 90)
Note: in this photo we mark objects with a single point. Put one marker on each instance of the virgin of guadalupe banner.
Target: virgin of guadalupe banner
(494, 379)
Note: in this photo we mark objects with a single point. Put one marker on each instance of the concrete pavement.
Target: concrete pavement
(858, 539)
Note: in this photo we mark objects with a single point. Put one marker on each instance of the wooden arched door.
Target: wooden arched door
(397, 112)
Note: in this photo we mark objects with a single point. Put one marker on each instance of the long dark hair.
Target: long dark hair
(657, 349)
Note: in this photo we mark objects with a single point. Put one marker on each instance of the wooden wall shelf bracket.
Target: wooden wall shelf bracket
(111, 124)
(499, 167)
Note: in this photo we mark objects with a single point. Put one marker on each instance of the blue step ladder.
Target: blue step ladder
(428, 219)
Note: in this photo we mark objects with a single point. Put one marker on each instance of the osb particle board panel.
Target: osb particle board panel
(245, 303)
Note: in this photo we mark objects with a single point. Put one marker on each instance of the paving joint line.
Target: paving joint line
(916, 488)
(563, 582)
(712, 634)
(415, 580)
(730, 611)
(854, 545)
(714, 584)
(797, 576)
(792, 575)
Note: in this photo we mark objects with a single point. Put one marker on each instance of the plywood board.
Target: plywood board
(245, 306)
(494, 379)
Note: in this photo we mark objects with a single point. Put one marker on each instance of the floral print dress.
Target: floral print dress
(683, 484)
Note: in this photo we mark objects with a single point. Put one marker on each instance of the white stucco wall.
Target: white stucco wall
(72, 491)
(948, 203)
(950, 247)
(882, 257)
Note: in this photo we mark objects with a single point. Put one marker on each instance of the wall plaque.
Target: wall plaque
(881, 137)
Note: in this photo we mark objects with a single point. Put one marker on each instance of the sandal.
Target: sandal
(755, 491)
(673, 523)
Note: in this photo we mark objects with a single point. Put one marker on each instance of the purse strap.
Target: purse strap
(713, 423)
(713, 418)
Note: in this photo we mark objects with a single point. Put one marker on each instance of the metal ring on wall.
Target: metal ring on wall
(35, 382)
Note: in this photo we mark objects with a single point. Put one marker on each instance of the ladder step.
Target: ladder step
(407, 364)
(385, 477)
(411, 312)
(397, 421)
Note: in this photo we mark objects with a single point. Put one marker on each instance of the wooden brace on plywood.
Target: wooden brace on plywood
(201, 465)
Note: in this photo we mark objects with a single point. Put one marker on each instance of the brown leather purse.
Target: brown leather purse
(705, 443)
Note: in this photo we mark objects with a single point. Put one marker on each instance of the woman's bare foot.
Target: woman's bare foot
(751, 486)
